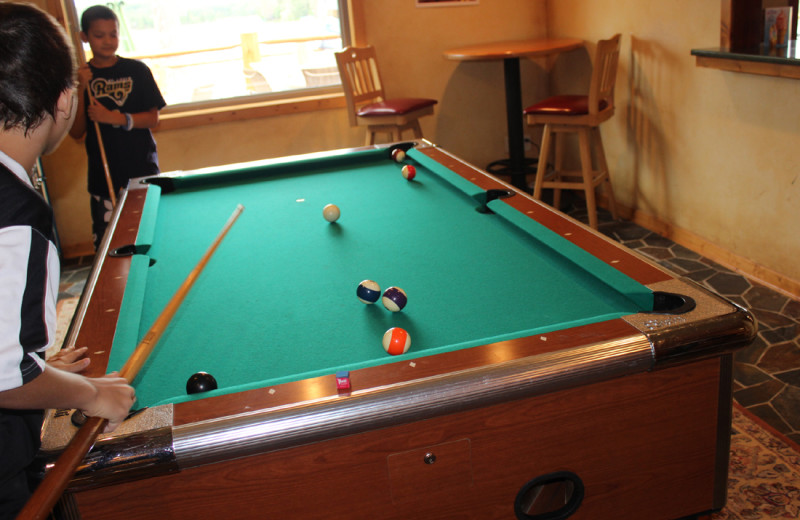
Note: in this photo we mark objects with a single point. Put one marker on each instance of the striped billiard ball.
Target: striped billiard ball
(368, 291)
(394, 299)
(396, 341)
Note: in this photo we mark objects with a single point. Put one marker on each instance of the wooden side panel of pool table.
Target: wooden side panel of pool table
(646, 446)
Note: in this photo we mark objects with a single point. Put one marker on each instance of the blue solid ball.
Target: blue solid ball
(368, 291)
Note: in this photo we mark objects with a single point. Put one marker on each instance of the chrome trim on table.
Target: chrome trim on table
(140, 447)
(714, 327)
(279, 428)
(86, 295)
(146, 454)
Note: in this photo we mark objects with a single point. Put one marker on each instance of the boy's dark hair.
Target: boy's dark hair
(36, 65)
(96, 12)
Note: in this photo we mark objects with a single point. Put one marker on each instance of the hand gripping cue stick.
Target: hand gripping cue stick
(55, 482)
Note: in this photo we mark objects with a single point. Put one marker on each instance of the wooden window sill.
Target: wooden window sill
(187, 116)
(783, 62)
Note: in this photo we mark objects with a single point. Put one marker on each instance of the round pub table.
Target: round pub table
(516, 166)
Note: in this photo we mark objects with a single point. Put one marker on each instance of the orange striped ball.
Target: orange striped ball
(396, 341)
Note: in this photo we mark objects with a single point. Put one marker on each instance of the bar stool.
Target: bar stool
(581, 115)
(367, 104)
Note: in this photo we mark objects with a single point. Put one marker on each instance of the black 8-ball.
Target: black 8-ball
(200, 382)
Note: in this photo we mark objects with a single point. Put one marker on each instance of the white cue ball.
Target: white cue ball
(331, 212)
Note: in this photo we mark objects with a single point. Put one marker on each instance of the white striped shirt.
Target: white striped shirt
(29, 278)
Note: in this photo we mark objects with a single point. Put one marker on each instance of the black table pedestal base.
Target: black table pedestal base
(517, 173)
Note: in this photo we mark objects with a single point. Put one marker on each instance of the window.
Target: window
(213, 50)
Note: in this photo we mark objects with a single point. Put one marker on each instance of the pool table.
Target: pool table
(552, 373)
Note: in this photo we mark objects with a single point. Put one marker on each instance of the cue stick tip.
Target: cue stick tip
(234, 216)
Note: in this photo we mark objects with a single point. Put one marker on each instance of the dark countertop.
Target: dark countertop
(789, 55)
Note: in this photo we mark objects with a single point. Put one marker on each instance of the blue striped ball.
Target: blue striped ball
(368, 291)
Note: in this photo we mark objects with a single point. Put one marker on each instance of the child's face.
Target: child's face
(103, 38)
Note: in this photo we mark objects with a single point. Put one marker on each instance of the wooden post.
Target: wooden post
(250, 51)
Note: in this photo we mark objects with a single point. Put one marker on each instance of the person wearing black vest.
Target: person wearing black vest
(37, 106)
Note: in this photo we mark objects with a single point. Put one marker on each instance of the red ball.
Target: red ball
(409, 172)
(396, 341)
(398, 155)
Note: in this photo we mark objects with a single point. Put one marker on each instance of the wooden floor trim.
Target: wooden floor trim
(722, 256)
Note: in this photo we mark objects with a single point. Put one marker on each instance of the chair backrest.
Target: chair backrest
(361, 81)
(604, 76)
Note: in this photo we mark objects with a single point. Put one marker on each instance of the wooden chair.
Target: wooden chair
(367, 103)
(580, 115)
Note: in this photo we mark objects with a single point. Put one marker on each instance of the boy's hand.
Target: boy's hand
(113, 399)
(100, 114)
(70, 359)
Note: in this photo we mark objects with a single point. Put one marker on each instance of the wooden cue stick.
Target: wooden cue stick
(135, 362)
(55, 482)
(103, 155)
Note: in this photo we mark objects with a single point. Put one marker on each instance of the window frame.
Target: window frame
(186, 115)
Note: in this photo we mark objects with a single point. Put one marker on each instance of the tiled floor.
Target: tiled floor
(767, 373)
(74, 273)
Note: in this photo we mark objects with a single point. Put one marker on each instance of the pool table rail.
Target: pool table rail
(623, 259)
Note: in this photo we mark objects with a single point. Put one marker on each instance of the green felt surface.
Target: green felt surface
(277, 302)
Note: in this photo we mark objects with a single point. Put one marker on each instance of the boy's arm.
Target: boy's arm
(109, 397)
(147, 119)
(100, 114)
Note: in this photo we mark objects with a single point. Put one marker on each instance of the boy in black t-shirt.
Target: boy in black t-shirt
(37, 107)
(125, 101)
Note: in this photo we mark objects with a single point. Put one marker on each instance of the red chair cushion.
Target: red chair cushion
(395, 107)
(563, 105)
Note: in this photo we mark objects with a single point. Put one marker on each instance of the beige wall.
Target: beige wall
(410, 43)
(710, 152)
